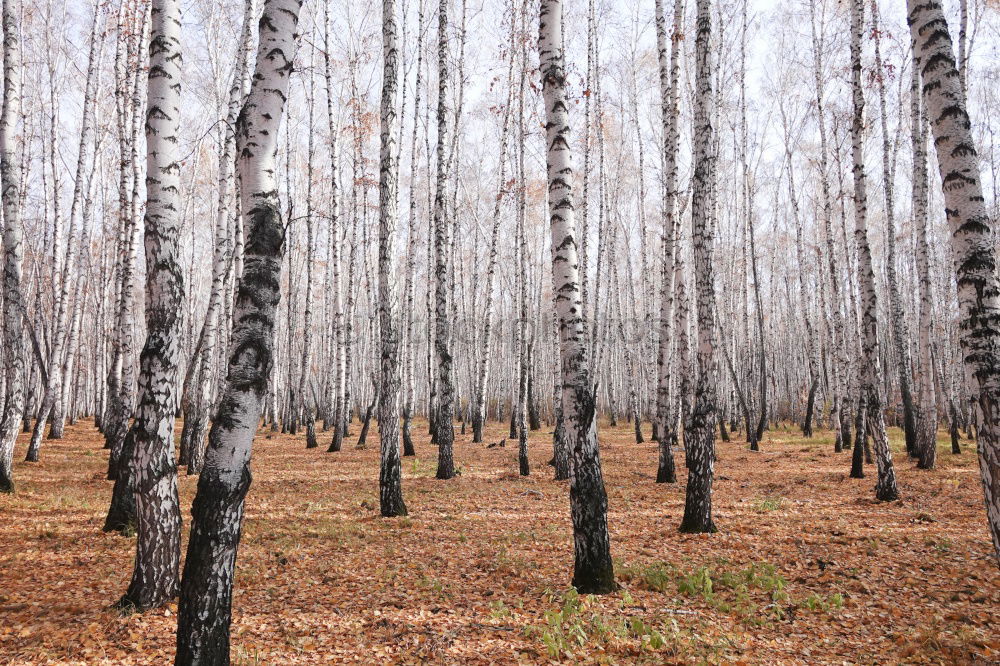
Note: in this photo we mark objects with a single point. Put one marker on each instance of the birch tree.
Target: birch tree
(870, 407)
(840, 363)
(669, 78)
(900, 330)
(13, 252)
(971, 232)
(64, 308)
(158, 526)
(593, 570)
(337, 398)
(699, 433)
(204, 612)
(483, 364)
(926, 417)
(202, 361)
(521, 239)
(121, 515)
(444, 408)
(390, 483)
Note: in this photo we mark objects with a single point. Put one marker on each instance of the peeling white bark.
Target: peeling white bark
(204, 613)
(972, 234)
(593, 570)
(13, 250)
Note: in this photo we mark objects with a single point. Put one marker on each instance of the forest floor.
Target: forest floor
(806, 567)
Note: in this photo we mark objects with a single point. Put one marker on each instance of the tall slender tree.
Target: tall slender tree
(158, 548)
(521, 238)
(200, 369)
(972, 233)
(483, 362)
(839, 362)
(669, 78)
(445, 393)
(13, 251)
(870, 407)
(390, 482)
(410, 366)
(700, 430)
(121, 511)
(338, 404)
(900, 329)
(593, 570)
(926, 418)
(205, 609)
(65, 304)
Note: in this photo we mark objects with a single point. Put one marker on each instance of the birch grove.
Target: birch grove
(453, 225)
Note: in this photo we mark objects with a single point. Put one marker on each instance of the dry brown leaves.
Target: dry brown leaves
(470, 575)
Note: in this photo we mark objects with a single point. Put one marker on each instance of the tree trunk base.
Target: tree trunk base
(697, 526)
(311, 442)
(858, 463)
(886, 494)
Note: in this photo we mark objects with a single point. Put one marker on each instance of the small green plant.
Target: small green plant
(244, 657)
(499, 611)
(823, 602)
(755, 593)
(942, 545)
(659, 577)
(760, 575)
(577, 624)
(812, 602)
(423, 467)
(563, 628)
(46, 531)
(768, 504)
(504, 562)
(696, 584)
(647, 634)
(578, 629)
(431, 584)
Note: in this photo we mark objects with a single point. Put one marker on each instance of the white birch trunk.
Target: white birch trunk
(204, 613)
(13, 251)
(593, 569)
(337, 399)
(444, 407)
(390, 480)
(223, 253)
(840, 364)
(927, 419)
(871, 372)
(483, 362)
(60, 346)
(900, 331)
(699, 433)
(971, 234)
(669, 79)
(158, 548)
